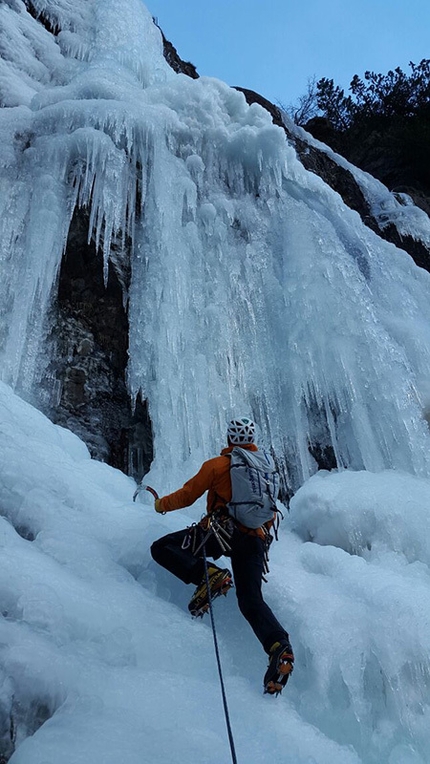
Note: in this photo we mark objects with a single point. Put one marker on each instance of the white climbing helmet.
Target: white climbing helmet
(241, 431)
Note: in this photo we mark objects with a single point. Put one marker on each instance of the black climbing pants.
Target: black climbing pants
(174, 552)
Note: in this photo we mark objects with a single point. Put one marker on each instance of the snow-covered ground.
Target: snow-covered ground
(97, 640)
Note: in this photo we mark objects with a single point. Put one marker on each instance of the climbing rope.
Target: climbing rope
(223, 693)
(224, 546)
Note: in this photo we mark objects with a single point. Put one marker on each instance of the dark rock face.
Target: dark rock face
(50, 26)
(252, 97)
(88, 373)
(174, 60)
(19, 718)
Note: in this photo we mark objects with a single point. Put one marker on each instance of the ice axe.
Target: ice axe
(144, 487)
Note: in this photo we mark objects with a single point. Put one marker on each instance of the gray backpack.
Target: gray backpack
(254, 487)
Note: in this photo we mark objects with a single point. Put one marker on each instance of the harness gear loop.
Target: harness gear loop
(213, 524)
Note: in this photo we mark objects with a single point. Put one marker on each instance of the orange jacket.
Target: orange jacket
(213, 476)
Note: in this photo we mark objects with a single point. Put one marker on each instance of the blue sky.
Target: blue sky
(275, 46)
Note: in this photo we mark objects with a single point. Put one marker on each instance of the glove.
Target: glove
(157, 506)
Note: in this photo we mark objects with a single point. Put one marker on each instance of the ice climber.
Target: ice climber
(220, 534)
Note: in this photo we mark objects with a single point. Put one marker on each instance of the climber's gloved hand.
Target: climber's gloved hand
(157, 506)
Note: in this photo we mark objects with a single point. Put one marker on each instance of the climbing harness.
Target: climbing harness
(223, 693)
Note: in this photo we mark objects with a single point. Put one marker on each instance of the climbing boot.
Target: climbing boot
(281, 660)
(220, 582)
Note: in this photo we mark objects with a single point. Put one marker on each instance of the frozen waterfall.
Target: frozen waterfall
(253, 287)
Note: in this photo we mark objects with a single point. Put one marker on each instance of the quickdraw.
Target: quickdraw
(214, 524)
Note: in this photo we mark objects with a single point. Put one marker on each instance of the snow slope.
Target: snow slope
(97, 639)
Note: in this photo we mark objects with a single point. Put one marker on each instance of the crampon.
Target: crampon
(220, 581)
(281, 664)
